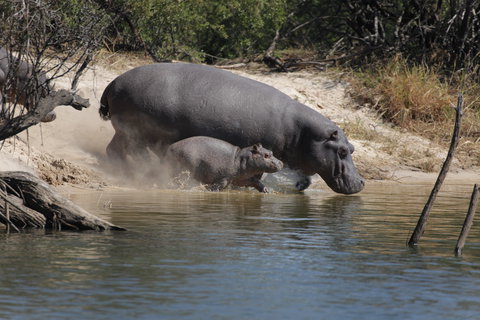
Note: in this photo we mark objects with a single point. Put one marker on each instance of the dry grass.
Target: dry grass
(115, 61)
(420, 99)
(406, 95)
(359, 131)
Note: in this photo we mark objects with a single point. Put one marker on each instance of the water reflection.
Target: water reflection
(244, 255)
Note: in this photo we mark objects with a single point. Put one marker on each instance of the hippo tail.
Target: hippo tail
(104, 110)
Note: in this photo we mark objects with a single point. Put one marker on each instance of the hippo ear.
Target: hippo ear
(257, 147)
(334, 135)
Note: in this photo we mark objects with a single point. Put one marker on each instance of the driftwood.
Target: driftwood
(468, 222)
(271, 61)
(232, 66)
(422, 221)
(292, 64)
(42, 206)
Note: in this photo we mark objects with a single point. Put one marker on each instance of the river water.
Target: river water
(246, 255)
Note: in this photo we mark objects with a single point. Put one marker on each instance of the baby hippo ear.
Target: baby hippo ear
(257, 147)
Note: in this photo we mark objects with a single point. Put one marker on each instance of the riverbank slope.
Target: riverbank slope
(71, 150)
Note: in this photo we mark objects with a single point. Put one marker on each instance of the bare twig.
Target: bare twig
(6, 217)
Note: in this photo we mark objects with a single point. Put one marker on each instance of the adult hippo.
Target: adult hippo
(23, 84)
(156, 105)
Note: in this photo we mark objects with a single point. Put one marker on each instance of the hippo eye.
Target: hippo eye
(334, 135)
(266, 156)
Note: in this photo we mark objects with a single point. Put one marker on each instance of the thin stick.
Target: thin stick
(468, 221)
(422, 221)
(7, 215)
(9, 222)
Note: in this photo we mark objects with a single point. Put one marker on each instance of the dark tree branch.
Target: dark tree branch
(11, 127)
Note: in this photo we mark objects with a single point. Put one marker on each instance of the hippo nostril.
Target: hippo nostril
(342, 152)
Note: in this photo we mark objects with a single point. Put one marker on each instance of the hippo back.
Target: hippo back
(174, 96)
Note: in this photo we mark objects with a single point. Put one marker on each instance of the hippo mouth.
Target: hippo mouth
(345, 180)
(275, 166)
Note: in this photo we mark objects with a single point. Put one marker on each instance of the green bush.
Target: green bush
(200, 29)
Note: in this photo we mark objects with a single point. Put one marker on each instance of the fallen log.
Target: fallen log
(43, 207)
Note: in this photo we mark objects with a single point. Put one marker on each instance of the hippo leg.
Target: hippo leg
(257, 184)
(304, 182)
(253, 182)
(218, 185)
(116, 149)
(131, 160)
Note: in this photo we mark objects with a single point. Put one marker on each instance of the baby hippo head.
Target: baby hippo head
(262, 159)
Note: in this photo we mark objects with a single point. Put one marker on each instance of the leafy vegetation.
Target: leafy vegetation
(438, 32)
(200, 30)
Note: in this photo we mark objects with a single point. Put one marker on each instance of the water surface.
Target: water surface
(245, 255)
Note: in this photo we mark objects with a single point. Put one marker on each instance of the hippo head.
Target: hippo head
(262, 159)
(329, 155)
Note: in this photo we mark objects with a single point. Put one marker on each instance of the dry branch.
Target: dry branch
(10, 127)
(57, 212)
(422, 221)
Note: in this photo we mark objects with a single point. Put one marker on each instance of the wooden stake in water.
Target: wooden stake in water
(468, 221)
(422, 221)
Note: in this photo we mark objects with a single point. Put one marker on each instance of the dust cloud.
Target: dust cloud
(81, 137)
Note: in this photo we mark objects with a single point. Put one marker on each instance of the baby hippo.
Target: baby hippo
(218, 164)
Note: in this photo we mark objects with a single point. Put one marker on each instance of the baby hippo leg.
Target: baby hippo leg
(218, 185)
(256, 183)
